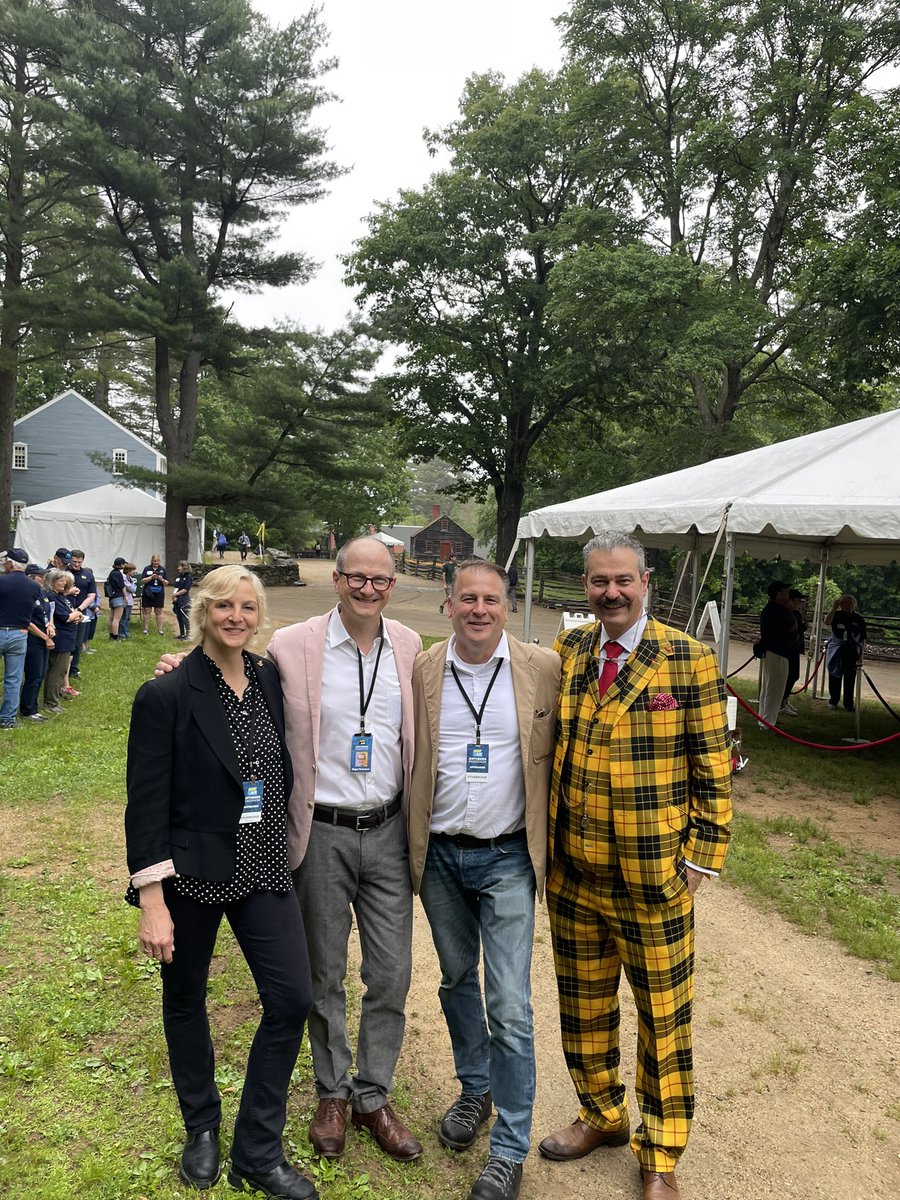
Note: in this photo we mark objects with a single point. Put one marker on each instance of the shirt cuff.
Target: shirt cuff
(687, 863)
(155, 874)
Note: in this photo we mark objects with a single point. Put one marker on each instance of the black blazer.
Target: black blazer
(184, 785)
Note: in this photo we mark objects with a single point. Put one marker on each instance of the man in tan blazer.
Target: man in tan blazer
(485, 717)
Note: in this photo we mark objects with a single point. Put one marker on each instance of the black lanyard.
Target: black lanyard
(479, 713)
(365, 700)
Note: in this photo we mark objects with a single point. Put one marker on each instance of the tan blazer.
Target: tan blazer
(298, 651)
(535, 673)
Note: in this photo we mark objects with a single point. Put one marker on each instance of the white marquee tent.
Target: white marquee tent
(829, 496)
(105, 522)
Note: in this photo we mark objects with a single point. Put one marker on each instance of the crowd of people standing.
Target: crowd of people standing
(50, 614)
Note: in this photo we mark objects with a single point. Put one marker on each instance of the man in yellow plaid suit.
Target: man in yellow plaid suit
(639, 810)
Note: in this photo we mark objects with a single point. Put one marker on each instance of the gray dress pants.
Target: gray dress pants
(345, 874)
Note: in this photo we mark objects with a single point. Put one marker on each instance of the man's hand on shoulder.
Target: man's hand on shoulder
(168, 663)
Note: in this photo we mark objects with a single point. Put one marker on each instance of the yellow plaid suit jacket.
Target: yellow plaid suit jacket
(669, 768)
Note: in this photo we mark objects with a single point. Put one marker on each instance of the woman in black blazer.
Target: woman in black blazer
(208, 781)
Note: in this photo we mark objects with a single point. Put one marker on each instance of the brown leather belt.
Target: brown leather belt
(354, 818)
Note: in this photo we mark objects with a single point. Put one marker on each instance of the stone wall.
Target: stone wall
(281, 575)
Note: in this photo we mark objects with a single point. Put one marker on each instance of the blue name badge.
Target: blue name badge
(477, 760)
(361, 754)
(253, 801)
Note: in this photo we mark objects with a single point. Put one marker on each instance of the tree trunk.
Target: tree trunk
(13, 258)
(176, 531)
(178, 434)
(510, 498)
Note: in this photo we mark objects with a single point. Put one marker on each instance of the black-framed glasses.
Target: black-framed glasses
(357, 582)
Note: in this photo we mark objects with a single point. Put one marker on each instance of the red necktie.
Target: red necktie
(612, 650)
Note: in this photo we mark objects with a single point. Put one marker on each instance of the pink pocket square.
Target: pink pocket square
(662, 702)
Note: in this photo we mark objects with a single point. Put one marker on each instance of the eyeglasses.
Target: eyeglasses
(357, 582)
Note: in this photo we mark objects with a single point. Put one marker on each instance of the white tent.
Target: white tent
(105, 522)
(386, 539)
(832, 495)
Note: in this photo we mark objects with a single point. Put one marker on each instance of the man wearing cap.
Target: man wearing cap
(37, 652)
(18, 595)
(62, 559)
(777, 633)
(83, 600)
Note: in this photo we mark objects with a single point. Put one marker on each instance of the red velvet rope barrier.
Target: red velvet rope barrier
(800, 741)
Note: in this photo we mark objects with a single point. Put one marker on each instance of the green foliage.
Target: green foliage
(733, 126)
(458, 274)
(192, 120)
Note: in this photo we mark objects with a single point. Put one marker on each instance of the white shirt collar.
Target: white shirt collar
(337, 633)
(627, 640)
(502, 651)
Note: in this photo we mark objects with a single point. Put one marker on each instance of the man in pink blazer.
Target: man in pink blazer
(347, 683)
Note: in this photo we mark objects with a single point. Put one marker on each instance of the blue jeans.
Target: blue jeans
(475, 900)
(12, 651)
(125, 622)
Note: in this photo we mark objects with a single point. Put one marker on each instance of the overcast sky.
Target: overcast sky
(402, 67)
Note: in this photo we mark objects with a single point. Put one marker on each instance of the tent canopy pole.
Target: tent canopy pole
(727, 599)
(529, 588)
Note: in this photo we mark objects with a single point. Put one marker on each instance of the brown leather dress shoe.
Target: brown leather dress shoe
(578, 1139)
(328, 1127)
(389, 1132)
(659, 1185)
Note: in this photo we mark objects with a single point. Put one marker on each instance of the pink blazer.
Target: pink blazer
(298, 652)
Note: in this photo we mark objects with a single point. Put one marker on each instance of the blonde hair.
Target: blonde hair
(220, 584)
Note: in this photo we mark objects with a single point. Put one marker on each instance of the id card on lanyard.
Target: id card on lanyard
(478, 753)
(361, 744)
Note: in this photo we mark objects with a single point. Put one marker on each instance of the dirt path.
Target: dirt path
(797, 1063)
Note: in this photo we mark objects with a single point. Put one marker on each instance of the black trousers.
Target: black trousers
(269, 929)
(845, 660)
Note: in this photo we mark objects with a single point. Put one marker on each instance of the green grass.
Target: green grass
(779, 764)
(86, 1103)
(823, 887)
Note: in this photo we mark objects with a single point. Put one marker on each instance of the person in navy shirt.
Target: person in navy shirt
(84, 602)
(37, 652)
(17, 598)
(181, 600)
(154, 581)
(66, 619)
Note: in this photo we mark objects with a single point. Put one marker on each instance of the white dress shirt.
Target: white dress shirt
(496, 804)
(336, 784)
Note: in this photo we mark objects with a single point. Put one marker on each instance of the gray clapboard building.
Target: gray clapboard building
(52, 447)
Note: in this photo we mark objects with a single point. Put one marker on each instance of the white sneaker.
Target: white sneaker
(788, 709)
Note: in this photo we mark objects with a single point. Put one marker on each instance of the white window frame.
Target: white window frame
(119, 462)
(18, 507)
(21, 449)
